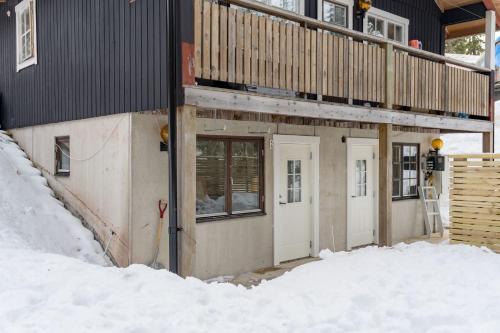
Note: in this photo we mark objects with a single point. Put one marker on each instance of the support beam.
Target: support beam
(233, 100)
(385, 185)
(186, 166)
(389, 75)
(489, 58)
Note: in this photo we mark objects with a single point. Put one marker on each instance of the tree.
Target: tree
(470, 45)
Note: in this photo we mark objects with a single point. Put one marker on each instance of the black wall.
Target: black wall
(425, 21)
(95, 58)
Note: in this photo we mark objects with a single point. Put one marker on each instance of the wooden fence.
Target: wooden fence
(475, 200)
(240, 46)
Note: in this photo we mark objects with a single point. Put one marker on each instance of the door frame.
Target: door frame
(313, 143)
(352, 142)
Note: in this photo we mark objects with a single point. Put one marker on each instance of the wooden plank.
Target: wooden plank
(355, 61)
(350, 58)
(240, 33)
(324, 63)
(276, 54)
(269, 52)
(385, 188)
(307, 67)
(289, 58)
(332, 69)
(247, 52)
(215, 58)
(231, 48)
(206, 39)
(223, 43)
(283, 55)
(302, 59)
(255, 51)
(198, 21)
(262, 51)
(314, 64)
(296, 58)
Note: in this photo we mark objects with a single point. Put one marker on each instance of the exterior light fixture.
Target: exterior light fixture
(437, 144)
(164, 138)
(363, 7)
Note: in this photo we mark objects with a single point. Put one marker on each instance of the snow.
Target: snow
(30, 216)
(53, 278)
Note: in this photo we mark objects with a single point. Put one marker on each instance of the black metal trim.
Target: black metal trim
(229, 217)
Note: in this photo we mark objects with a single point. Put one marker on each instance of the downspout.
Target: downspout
(173, 86)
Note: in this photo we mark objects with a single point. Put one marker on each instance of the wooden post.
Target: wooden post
(490, 27)
(389, 76)
(186, 164)
(385, 185)
(488, 142)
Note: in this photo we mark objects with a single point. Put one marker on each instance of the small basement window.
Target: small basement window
(26, 34)
(405, 170)
(62, 150)
(229, 177)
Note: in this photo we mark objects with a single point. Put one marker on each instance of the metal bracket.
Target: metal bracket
(173, 230)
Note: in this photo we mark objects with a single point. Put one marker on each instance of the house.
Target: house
(301, 124)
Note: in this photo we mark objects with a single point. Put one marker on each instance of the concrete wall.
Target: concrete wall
(98, 186)
(118, 189)
(239, 245)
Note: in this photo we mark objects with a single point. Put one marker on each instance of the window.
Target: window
(26, 34)
(405, 167)
(361, 178)
(336, 13)
(291, 5)
(229, 176)
(294, 183)
(386, 25)
(62, 150)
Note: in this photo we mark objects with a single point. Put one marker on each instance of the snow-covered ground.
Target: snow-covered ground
(53, 278)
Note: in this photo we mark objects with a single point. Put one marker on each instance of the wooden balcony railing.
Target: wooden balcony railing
(274, 48)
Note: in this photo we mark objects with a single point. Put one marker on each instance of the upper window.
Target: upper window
(229, 176)
(405, 165)
(383, 24)
(291, 5)
(337, 12)
(63, 161)
(26, 34)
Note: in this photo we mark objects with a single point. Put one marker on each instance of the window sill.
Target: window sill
(62, 174)
(228, 217)
(414, 197)
(26, 63)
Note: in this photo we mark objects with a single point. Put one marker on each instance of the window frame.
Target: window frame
(349, 4)
(58, 156)
(388, 18)
(20, 8)
(229, 214)
(401, 178)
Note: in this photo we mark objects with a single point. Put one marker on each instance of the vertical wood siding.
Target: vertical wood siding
(95, 58)
(425, 21)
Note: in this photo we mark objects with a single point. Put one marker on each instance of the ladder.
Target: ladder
(432, 214)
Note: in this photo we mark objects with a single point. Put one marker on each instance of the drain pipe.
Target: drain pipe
(173, 86)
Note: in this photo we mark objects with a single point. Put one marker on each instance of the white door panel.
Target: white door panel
(361, 195)
(294, 193)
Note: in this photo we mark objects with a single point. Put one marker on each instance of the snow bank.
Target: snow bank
(30, 216)
(411, 288)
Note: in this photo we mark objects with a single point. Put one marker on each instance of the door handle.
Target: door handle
(282, 203)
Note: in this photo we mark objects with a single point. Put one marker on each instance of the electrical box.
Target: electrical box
(435, 162)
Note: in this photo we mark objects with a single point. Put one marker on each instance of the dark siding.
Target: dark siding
(425, 20)
(95, 58)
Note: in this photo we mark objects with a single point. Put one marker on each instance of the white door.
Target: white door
(294, 202)
(361, 195)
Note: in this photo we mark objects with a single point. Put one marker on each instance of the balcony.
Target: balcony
(273, 51)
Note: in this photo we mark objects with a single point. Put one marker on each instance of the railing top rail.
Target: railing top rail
(314, 23)
(474, 156)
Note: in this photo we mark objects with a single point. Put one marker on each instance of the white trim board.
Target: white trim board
(313, 142)
(350, 12)
(363, 142)
(234, 100)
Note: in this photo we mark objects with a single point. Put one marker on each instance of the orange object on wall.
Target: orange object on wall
(415, 43)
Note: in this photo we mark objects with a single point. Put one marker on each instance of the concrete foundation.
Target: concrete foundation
(118, 189)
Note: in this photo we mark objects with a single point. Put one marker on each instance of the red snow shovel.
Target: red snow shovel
(162, 208)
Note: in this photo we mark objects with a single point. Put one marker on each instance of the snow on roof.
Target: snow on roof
(471, 59)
